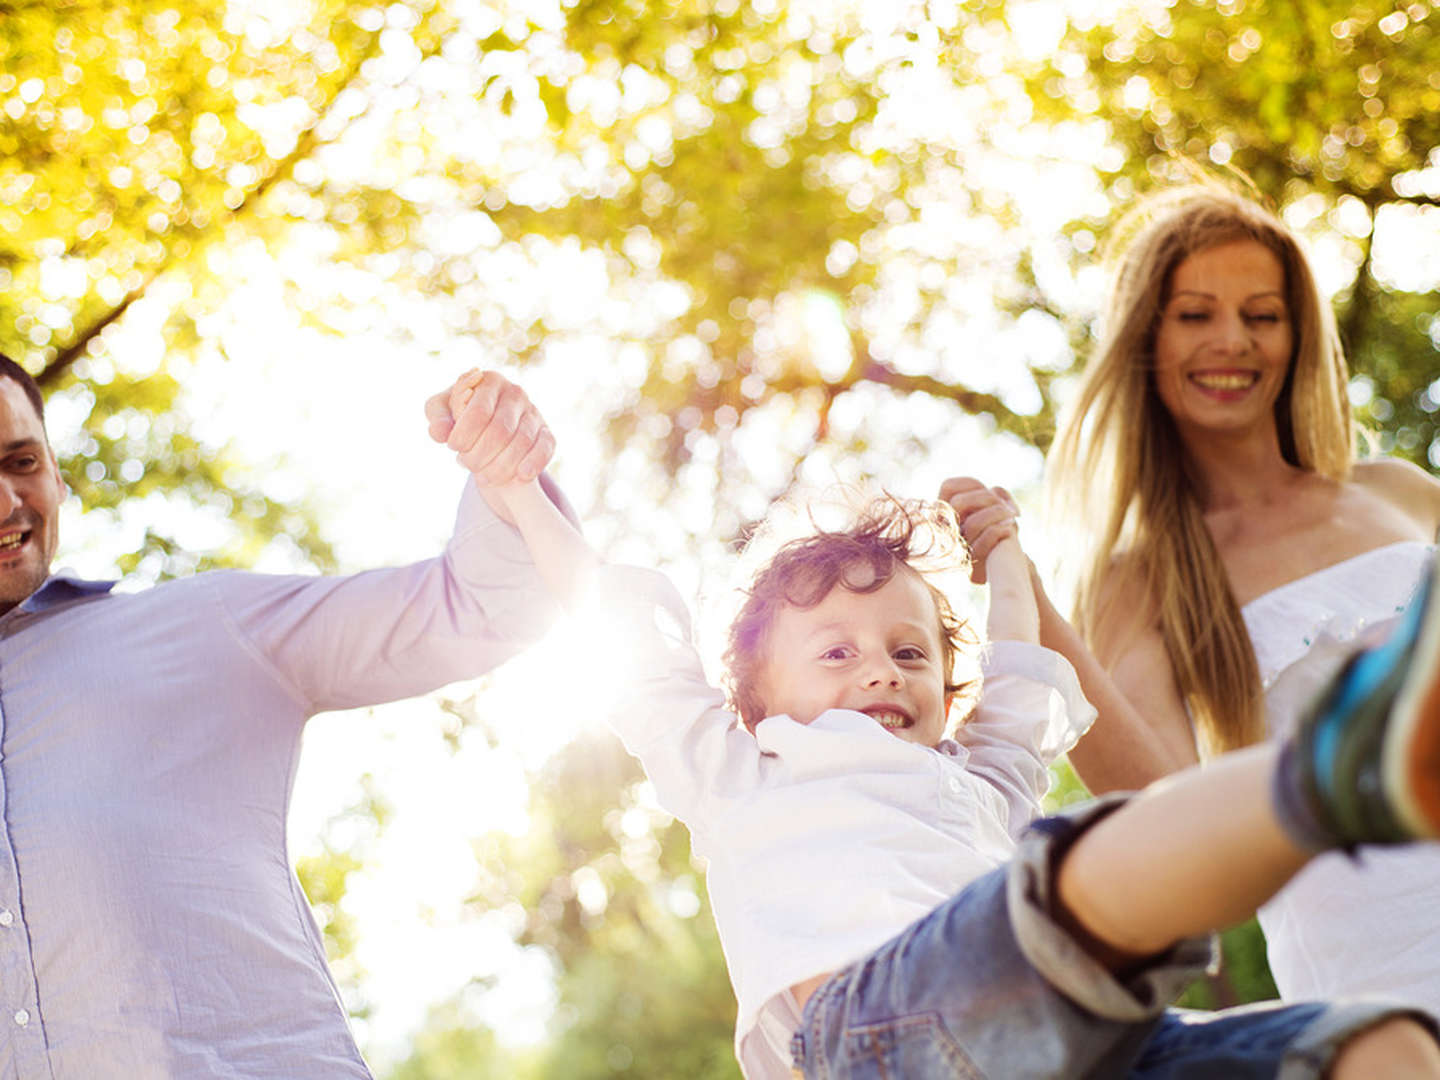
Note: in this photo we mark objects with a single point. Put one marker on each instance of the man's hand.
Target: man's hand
(499, 436)
(493, 428)
(987, 521)
(987, 517)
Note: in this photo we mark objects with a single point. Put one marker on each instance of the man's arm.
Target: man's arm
(655, 697)
(379, 635)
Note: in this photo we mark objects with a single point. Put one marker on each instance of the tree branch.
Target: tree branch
(56, 369)
(972, 401)
(1362, 299)
(305, 145)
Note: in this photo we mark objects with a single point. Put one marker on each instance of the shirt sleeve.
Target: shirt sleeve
(667, 714)
(377, 636)
(1031, 711)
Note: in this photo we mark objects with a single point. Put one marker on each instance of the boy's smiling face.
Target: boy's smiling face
(875, 652)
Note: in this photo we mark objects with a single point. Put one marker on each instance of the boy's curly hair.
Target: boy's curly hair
(887, 534)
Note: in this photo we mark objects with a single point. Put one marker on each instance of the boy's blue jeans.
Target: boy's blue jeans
(989, 986)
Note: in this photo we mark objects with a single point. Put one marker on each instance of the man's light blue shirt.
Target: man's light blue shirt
(150, 922)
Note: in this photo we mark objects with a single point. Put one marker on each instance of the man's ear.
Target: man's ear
(59, 476)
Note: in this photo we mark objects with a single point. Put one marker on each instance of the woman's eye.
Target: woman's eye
(1193, 316)
(1264, 317)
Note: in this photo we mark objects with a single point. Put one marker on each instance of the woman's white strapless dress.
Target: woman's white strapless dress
(1346, 926)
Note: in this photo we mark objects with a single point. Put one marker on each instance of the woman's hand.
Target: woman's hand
(987, 517)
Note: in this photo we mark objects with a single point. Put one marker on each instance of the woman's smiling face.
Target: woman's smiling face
(1225, 339)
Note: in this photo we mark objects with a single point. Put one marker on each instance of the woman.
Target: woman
(1240, 550)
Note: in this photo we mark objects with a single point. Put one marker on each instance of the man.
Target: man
(150, 924)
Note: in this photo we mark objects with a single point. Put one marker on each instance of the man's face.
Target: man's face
(30, 494)
(877, 652)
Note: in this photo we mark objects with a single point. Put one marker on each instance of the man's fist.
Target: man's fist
(493, 428)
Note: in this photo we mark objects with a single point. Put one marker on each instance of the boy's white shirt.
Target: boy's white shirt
(825, 840)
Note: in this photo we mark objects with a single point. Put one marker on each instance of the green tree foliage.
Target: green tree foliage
(325, 875)
(764, 160)
(452, 1046)
(1331, 109)
(807, 237)
(611, 893)
(138, 144)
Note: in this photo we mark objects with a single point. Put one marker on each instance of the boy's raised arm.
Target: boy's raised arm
(565, 560)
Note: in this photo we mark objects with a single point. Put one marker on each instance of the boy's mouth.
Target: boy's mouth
(891, 719)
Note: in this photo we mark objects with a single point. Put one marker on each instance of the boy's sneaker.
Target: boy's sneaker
(1365, 761)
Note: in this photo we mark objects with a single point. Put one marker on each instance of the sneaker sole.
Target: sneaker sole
(1411, 759)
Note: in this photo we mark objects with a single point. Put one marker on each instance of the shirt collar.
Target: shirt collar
(63, 589)
(946, 747)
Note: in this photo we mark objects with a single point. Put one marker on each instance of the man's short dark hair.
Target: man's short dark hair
(9, 369)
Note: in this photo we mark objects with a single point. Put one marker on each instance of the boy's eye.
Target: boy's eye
(835, 652)
(909, 652)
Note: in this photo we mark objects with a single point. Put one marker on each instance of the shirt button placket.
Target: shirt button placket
(26, 1035)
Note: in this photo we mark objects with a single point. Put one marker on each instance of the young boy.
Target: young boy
(883, 908)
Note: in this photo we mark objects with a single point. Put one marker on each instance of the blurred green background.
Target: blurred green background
(742, 244)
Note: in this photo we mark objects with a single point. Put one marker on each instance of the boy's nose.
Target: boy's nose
(884, 672)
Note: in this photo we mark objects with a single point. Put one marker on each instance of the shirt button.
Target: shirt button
(22, 1017)
(6, 918)
(955, 784)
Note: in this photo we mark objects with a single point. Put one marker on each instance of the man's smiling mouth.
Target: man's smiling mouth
(13, 540)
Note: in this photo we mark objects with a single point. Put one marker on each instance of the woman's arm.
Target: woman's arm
(1112, 756)
(1142, 732)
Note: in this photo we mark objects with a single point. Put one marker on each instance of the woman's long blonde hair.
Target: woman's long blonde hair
(1118, 472)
